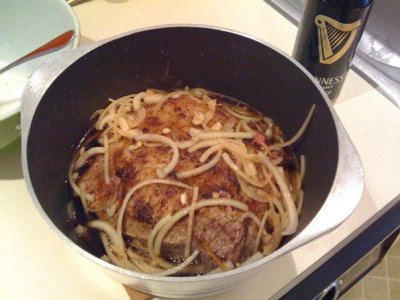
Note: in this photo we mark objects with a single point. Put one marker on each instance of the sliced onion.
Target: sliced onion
(286, 195)
(86, 155)
(180, 267)
(190, 222)
(106, 160)
(137, 101)
(152, 98)
(140, 116)
(224, 134)
(138, 186)
(162, 173)
(202, 144)
(112, 234)
(201, 169)
(260, 230)
(203, 158)
(150, 241)
(241, 116)
(186, 144)
(239, 172)
(300, 132)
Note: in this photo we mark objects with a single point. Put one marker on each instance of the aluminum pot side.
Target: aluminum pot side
(167, 58)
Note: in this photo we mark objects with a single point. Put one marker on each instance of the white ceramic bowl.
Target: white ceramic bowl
(26, 25)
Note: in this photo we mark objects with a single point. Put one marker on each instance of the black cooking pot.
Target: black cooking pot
(60, 106)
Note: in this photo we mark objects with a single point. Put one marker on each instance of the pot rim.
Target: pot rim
(345, 187)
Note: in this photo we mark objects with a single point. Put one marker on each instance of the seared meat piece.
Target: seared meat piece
(220, 233)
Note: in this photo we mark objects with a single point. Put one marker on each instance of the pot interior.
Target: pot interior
(169, 58)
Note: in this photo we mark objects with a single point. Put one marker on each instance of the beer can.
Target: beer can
(327, 39)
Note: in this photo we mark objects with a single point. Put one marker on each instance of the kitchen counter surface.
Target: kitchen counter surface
(35, 262)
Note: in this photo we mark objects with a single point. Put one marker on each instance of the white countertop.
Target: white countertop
(36, 264)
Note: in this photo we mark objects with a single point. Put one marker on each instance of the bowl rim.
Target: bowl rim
(343, 187)
(74, 45)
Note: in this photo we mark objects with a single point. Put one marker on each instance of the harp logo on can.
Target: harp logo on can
(334, 38)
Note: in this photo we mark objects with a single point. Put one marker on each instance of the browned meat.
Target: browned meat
(216, 229)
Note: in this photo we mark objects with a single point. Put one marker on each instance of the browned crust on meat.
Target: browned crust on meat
(219, 227)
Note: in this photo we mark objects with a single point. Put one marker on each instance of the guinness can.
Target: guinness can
(327, 39)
